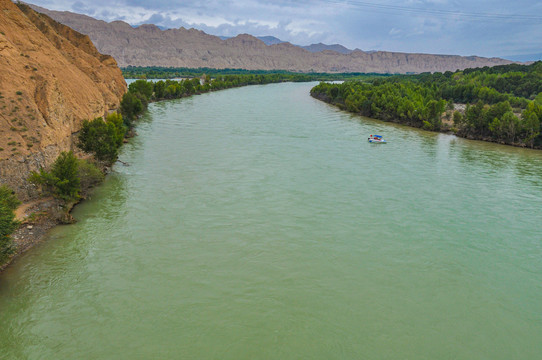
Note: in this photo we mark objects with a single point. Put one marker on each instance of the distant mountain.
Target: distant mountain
(267, 40)
(158, 26)
(321, 47)
(525, 57)
(147, 45)
(270, 40)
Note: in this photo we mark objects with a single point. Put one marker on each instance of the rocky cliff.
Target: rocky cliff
(51, 79)
(148, 45)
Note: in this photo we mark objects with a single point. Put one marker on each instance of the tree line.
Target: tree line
(69, 177)
(502, 104)
(158, 72)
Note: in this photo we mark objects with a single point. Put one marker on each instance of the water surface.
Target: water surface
(259, 223)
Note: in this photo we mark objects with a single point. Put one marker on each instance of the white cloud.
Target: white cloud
(395, 32)
(395, 25)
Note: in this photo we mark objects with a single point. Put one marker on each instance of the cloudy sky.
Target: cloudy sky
(463, 27)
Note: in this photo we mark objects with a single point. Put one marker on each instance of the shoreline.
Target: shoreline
(36, 218)
(39, 215)
(447, 129)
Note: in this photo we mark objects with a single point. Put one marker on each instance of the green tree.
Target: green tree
(510, 125)
(8, 197)
(159, 89)
(143, 87)
(334, 92)
(89, 174)
(102, 138)
(130, 107)
(63, 180)
(8, 224)
(531, 122)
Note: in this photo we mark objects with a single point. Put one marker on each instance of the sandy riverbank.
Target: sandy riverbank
(37, 218)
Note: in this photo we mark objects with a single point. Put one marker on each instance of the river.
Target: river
(259, 223)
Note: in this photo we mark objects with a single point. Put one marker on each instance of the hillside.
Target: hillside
(321, 47)
(147, 45)
(51, 79)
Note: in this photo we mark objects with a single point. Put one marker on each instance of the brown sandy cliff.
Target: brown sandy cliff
(51, 79)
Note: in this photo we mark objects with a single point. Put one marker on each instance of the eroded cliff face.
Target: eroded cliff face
(51, 79)
(147, 45)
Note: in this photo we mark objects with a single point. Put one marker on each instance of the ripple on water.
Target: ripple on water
(259, 222)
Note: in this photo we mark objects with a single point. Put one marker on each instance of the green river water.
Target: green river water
(259, 223)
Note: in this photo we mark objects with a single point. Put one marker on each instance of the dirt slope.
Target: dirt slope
(51, 79)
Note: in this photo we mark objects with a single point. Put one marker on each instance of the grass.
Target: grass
(35, 216)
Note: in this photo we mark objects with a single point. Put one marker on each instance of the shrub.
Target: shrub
(130, 107)
(458, 118)
(141, 86)
(8, 224)
(103, 138)
(8, 198)
(63, 180)
(89, 174)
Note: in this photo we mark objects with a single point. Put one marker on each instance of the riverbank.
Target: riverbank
(244, 214)
(502, 105)
(36, 218)
(447, 125)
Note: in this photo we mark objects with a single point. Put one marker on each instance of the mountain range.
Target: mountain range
(148, 45)
(271, 40)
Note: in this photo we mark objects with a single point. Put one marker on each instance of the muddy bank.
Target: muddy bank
(37, 218)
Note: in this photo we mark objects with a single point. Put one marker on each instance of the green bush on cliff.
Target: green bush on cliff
(130, 107)
(63, 180)
(103, 138)
(8, 203)
(89, 174)
(67, 177)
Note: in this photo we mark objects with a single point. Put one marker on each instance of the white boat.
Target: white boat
(376, 139)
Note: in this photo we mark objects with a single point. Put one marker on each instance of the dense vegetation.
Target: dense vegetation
(157, 72)
(141, 91)
(8, 203)
(103, 138)
(62, 180)
(503, 103)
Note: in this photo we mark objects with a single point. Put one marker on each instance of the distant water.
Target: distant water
(258, 223)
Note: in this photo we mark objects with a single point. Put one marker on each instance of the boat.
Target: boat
(376, 139)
